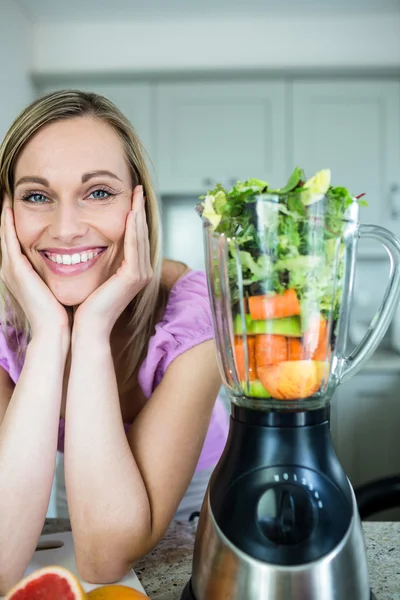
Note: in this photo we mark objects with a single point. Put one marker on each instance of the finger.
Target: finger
(11, 240)
(136, 266)
(130, 240)
(5, 208)
(143, 240)
(137, 194)
(130, 244)
(6, 203)
(147, 238)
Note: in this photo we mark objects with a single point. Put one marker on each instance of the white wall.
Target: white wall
(364, 40)
(16, 90)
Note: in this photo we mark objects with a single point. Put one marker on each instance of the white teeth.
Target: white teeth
(72, 259)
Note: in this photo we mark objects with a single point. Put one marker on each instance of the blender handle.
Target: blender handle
(379, 325)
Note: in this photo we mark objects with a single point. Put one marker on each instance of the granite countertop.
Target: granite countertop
(165, 571)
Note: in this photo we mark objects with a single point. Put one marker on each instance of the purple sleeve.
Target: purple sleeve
(8, 358)
(186, 323)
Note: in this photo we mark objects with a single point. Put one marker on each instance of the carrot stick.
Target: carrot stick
(295, 349)
(274, 307)
(241, 358)
(322, 351)
(315, 339)
(270, 349)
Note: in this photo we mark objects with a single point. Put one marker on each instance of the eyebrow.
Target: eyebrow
(32, 179)
(85, 178)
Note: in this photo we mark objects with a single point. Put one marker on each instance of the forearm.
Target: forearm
(168, 435)
(122, 497)
(28, 445)
(107, 499)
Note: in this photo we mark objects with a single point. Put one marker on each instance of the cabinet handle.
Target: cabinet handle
(208, 182)
(395, 200)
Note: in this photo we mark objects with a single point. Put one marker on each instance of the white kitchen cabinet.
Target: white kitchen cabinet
(365, 425)
(133, 99)
(220, 132)
(353, 127)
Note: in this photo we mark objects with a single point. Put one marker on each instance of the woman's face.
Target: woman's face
(72, 195)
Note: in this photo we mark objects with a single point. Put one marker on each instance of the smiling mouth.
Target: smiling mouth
(72, 259)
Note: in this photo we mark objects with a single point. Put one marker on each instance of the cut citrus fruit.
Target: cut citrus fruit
(115, 592)
(292, 380)
(49, 583)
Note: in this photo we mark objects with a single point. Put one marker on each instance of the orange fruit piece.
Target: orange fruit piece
(292, 380)
(49, 583)
(115, 592)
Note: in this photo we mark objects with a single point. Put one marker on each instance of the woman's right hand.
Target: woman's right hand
(43, 311)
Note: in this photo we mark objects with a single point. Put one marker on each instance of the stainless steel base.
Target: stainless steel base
(221, 570)
(188, 595)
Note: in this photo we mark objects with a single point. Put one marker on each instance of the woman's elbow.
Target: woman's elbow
(101, 572)
(109, 561)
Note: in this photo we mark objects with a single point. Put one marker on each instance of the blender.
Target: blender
(279, 519)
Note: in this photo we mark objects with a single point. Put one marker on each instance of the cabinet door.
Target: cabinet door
(353, 127)
(220, 132)
(365, 426)
(133, 99)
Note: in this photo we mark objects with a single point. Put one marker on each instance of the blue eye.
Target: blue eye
(100, 194)
(35, 198)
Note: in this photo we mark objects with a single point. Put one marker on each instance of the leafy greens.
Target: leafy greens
(283, 238)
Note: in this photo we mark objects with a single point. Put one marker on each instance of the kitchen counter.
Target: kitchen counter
(165, 571)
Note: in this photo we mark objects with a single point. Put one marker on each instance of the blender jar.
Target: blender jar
(280, 283)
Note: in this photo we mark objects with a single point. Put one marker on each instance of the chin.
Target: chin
(71, 295)
(71, 299)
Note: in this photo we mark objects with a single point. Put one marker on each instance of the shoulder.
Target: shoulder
(186, 323)
(188, 308)
(172, 271)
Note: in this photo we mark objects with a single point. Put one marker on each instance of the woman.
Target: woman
(101, 356)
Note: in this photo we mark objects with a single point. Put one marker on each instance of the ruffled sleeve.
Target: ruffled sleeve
(186, 323)
(8, 358)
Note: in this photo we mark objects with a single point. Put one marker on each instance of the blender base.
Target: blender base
(277, 499)
(187, 593)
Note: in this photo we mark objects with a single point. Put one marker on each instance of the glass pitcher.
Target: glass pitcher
(281, 289)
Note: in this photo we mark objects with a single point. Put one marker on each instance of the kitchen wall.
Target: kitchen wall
(16, 42)
(285, 41)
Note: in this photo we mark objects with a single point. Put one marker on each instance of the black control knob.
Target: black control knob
(286, 514)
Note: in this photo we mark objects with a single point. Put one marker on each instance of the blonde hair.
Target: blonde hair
(147, 306)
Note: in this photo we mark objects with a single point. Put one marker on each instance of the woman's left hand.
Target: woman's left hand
(99, 312)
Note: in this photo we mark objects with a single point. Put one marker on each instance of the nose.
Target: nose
(67, 224)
